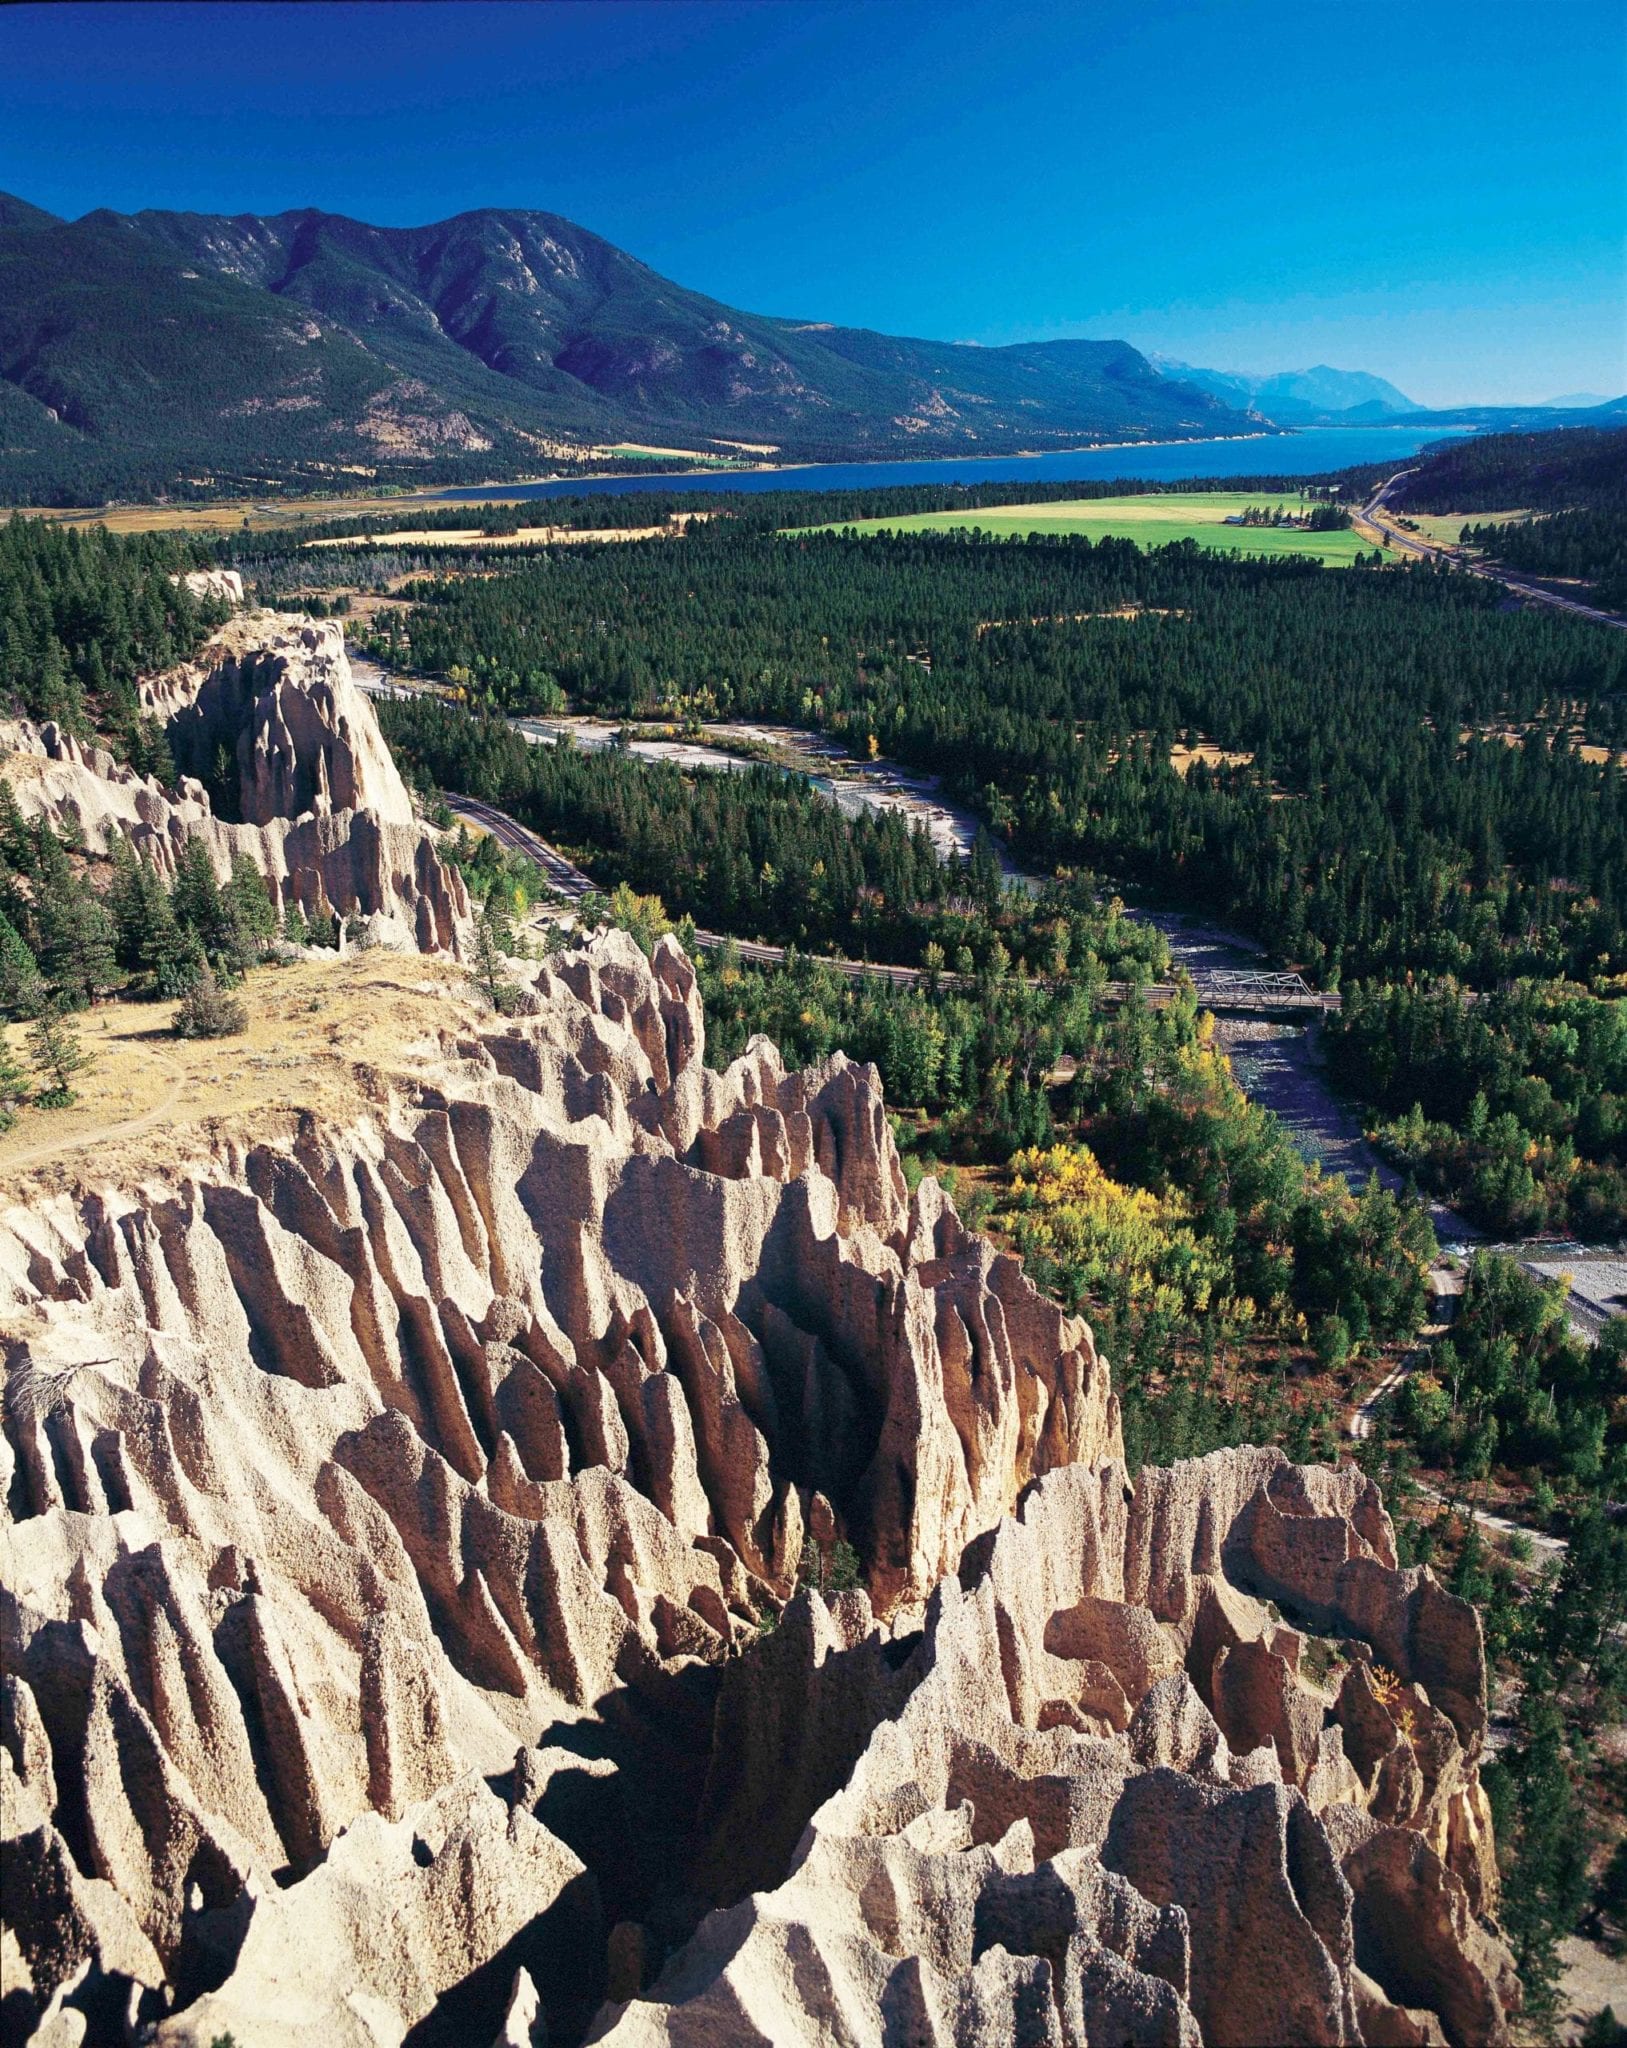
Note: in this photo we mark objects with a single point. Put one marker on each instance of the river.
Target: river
(1314, 452)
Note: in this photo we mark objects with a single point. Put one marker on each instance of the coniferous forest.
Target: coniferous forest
(1410, 790)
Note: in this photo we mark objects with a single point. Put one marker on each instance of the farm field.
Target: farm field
(1152, 520)
(230, 515)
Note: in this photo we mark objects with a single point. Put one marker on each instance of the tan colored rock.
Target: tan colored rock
(280, 698)
(398, 1916)
(486, 1438)
(226, 585)
(321, 809)
(1158, 1888)
(520, 2027)
(1417, 1937)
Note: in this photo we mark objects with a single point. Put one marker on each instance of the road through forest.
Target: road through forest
(1372, 516)
(1274, 1054)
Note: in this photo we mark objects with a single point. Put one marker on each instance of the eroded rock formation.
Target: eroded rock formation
(410, 1624)
(223, 585)
(272, 722)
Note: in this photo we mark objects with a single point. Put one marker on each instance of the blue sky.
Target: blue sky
(1437, 193)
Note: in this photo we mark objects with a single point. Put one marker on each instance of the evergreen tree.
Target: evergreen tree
(16, 840)
(147, 745)
(12, 1082)
(151, 941)
(126, 903)
(1544, 1836)
(487, 969)
(54, 1047)
(195, 899)
(76, 933)
(20, 979)
(247, 920)
(207, 1011)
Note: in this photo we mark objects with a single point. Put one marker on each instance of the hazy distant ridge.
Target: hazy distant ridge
(1299, 398)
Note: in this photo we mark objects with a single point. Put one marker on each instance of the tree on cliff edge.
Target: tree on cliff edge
(487, 968)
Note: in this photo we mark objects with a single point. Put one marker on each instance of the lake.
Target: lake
(1311, 453)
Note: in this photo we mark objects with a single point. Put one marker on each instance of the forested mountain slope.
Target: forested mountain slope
(1543, 472)
(175, 346)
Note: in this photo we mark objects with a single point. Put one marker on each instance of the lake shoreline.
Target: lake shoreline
(1304, 452)
(459, 492)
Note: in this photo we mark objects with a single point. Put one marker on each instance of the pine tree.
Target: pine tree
(17, 849)
(54, 1047)
(206, 1011)
(12, 1080)
(149, 751)
(76, 931)
(20, 979)
(151, 941)
(487, 970)
(196, 896)
(294, 928)
(124, 902)
(247, 920)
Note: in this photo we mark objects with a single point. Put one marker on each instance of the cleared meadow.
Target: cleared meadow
(1443, 528)
(1151, 520)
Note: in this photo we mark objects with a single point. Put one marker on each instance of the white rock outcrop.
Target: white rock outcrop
(311, 793)
(223, 584)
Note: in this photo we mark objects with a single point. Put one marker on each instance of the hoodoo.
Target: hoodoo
(427, 1557)
(281, 760)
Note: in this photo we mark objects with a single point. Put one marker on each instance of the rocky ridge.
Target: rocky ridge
(303, 784)
(430, 1514)
(411, 1630)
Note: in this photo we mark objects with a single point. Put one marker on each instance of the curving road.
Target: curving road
(1218, 990)
(1372, 515)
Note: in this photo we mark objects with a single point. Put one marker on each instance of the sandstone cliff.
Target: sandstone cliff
(310, 795)
(407, 1630)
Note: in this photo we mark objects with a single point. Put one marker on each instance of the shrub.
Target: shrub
(207, 1011)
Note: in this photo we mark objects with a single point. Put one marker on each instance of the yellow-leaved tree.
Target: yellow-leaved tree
(1116, 1243)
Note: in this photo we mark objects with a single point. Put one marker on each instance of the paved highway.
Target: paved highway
(1372, 514)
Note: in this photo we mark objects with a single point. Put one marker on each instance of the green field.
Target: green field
(1152, 521)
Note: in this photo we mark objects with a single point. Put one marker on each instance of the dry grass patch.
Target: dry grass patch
(323, 1036)
(1119, 611)
(1441, 529)
(1517, 735)
(228, 515)
(1182, 757)
(524, 537)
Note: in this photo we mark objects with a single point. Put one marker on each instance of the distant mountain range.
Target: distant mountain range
(1299, 398)
(174, 353)
(157, 351)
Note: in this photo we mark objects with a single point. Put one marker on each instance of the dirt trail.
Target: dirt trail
(97, 1134)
